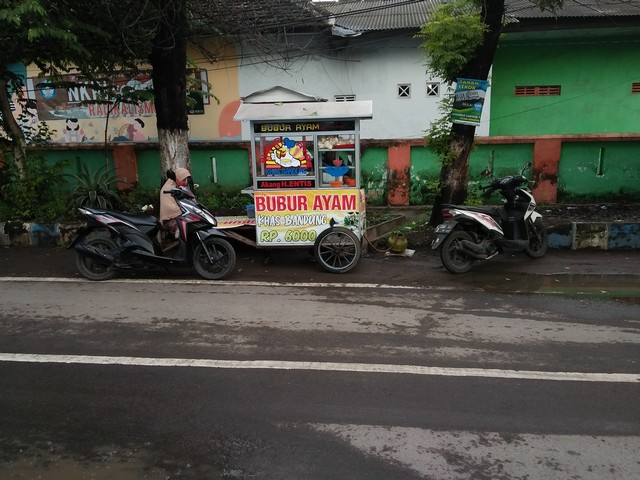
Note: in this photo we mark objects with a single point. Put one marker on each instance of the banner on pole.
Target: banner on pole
(468, 101)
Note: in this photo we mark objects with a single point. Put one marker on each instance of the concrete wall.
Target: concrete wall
(595, 69)
(370, 68)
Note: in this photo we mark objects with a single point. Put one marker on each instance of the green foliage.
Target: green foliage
(36, 195)
(220, 202)
(39, 134)
(94, 189)
(134, 199)
(439, 134)
(423, 192)
(453, 33)
(375, 186)
(476, 196)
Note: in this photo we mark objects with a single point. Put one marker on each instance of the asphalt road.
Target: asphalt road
(577, 271)
(397, 370)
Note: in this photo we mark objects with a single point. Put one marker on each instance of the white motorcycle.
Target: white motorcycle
(469, 234)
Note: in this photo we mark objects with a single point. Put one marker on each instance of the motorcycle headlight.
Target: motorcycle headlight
(209, 218)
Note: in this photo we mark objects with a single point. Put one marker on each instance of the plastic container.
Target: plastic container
(251, 210)
(336, 184)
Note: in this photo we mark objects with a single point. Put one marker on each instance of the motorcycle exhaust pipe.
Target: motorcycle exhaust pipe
(98, 255)
(473, 250)
(477, 256)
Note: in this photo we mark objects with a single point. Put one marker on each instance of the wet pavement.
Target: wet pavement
(609, 274)
(594, 273)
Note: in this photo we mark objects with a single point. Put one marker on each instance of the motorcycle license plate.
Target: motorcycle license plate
(444, 228)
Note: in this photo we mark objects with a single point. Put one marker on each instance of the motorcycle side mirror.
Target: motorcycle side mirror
(486, 173)
(526, 167)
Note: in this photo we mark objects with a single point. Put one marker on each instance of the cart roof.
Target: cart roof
(361, 109)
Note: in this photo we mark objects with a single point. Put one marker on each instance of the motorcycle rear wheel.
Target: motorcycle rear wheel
(93, 269)
(223, 258)
(538, 239)
(451, 255)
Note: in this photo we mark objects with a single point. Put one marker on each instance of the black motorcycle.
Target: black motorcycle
(469, 234)
(112, 241)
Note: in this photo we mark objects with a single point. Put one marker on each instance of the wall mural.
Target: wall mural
(75, 114)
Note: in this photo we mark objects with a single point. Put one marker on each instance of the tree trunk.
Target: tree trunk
(454, 174)
(169, 62)
(174, 149)
(18, 140)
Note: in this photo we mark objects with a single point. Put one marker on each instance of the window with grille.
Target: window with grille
(538, 91)
(635, 87)
(344, 98)
(433, 89)
(404, 90)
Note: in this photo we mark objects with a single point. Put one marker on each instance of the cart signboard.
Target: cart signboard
(297, 217)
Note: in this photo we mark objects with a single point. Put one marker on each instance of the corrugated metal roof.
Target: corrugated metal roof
(524, 9)
(369, 15)
(372, 15)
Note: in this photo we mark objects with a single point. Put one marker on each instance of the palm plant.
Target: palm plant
(94, 189)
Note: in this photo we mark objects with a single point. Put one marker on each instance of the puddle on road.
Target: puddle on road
(623, 289)
(108, 463)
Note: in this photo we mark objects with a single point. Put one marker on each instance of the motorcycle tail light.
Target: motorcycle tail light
(447, 214)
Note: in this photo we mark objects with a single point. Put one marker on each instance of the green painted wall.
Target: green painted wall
(424, 174)
(233, 169)
(373, 174)
(607, 171)
(149, 176)
(501, 159)
(94, 159)
(595, 69)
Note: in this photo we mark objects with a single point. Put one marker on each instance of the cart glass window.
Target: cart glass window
(305, 155)
(337, 159)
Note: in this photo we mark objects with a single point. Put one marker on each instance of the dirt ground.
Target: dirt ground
(420, 237)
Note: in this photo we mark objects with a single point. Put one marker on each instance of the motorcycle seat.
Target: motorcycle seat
(492, 211)
(146, 220)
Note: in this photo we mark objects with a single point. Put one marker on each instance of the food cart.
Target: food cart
(305, 164)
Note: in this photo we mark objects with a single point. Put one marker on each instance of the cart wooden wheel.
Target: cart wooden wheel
(337, 249)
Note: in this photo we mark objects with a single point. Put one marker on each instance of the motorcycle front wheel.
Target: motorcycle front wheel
(452, 256)
(94, 269)
(538, 239)
(214, 258)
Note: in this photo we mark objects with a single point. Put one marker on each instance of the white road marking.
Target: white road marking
(225, 282)
(322, 366)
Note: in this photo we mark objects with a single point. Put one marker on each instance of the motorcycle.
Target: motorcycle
(112, 241)
(469, 234)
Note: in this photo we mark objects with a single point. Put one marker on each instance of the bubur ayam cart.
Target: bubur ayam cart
(306, 185)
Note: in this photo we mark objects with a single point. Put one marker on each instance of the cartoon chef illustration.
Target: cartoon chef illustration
(287, 154)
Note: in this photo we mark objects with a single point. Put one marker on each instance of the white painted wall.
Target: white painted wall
(369, 69)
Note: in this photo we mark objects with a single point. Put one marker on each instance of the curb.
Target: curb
(575, 235)
(598, 235)
(19, 234)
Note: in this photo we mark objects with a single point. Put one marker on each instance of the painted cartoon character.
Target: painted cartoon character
(287, 154)
(72, 131)
(134, 130)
